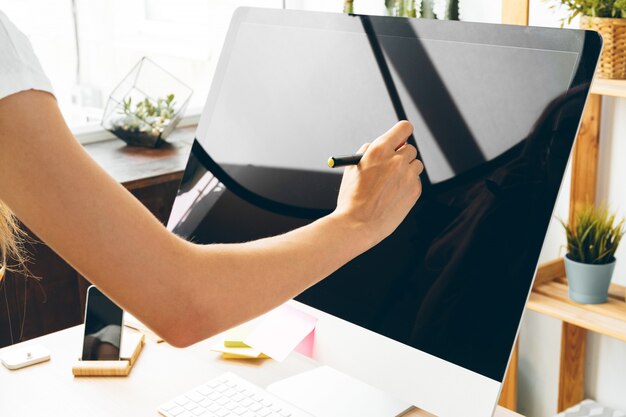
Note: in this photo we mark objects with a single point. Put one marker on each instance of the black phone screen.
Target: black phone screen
(103, 327)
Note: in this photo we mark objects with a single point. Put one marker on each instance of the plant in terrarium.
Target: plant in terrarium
(146, 116)
(145, 107)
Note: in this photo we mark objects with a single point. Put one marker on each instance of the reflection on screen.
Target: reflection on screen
(469, 102)
(103, 331)
(494, 128)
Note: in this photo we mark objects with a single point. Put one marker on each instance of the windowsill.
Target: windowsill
(91, 133)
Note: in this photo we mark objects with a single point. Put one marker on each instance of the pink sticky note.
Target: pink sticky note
(281, 331)
(306, 346)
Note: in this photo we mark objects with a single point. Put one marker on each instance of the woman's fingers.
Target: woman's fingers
(408, 151)
(363, 148)
(378, 195)
(395, 137)
(419, 165)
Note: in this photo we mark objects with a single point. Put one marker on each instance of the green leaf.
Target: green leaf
(452, 10)
(348, 6)
(427, 10)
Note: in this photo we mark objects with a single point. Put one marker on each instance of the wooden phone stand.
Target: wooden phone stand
(132, 344)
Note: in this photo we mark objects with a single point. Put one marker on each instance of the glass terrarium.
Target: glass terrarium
(146, 106)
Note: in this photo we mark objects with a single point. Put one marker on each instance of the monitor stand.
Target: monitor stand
(325, 392)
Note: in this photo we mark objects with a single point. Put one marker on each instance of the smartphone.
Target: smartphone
(103, 327)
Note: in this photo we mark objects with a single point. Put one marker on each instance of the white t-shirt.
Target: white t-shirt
(19, 67)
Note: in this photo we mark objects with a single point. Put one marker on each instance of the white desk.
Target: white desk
(160, 374)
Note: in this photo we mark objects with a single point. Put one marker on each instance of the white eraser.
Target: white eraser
(25, 356)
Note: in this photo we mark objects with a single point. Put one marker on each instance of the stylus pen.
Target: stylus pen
(342, 161)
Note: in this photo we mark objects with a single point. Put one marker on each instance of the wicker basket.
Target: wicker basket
(613, 60)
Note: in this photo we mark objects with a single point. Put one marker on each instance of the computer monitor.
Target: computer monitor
(495, 108)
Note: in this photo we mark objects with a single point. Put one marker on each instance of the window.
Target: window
(87, 46)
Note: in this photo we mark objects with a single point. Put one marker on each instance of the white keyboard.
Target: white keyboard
(229, 395)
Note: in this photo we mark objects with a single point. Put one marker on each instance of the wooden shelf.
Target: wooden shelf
(611, 88)
(609, 319)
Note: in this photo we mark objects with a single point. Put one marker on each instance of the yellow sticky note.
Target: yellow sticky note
(234, 337)
(235, 356)
(238, 353)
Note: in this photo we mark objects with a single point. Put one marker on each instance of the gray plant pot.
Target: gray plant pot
(587, 283)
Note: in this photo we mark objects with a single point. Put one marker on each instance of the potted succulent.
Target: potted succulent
(592, 239)
(609, 18)
(146, 105)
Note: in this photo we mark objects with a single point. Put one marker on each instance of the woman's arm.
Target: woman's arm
(186, 292)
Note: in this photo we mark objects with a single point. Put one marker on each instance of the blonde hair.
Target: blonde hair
(11, 240)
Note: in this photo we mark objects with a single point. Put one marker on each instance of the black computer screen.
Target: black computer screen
(495, 110)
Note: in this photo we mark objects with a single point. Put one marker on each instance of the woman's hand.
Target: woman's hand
(377, 194)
